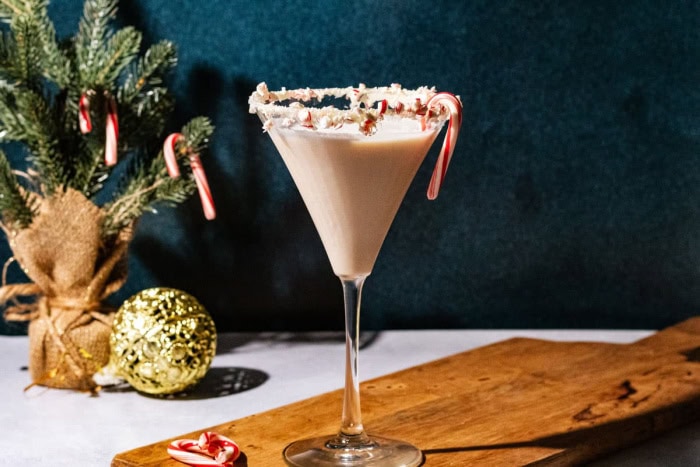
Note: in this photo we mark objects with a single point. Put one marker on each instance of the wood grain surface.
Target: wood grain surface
(516, 402)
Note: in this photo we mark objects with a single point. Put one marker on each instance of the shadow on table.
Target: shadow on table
(229, 342)
(221, 382)
(218, 382)
(242, 461)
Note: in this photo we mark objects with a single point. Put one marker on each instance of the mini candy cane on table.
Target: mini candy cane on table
(210, 450)
(454, 106)
(200, 177)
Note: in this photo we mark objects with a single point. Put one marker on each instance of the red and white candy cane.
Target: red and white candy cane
(211, 449)
(84, 120)
(200, 177)
(111, 123)
(111, 130)
(452, 103)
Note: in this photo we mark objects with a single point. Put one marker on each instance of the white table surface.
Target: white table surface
(49, 427)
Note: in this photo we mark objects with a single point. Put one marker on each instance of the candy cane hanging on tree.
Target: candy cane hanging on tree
(111, 130)
(111, 123)
(200, 176)
(84, 120)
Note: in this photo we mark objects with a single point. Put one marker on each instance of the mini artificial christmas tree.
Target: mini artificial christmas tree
(54, 99)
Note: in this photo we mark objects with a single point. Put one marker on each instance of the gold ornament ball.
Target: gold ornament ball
(163, 341)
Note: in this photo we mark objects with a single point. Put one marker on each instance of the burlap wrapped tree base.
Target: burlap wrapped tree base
(72, 271)
(67, 348)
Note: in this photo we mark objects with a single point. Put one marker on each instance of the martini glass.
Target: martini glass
(352, 153)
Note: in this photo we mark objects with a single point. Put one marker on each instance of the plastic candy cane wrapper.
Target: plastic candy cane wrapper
(452, 103)
(210, 450)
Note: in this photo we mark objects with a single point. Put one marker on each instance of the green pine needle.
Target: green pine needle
(119, 52)
(197, 133)
(26, 63)
(11, 127)
(13, 8)
(90, 40)
(158, 60)
(15, 208)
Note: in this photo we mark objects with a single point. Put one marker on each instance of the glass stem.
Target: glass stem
(352, 415)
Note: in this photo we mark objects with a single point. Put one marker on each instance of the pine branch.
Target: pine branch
(25, 116)
(147, 186)
(120, 51)
(157, 61)
(25, 66)
(15, 206)
(11, 128)
(144, 102)
(197, 133)
(56, 66)
(143, 119)
(40, 133)
(10, 9)
(92, 32)
(89, 171)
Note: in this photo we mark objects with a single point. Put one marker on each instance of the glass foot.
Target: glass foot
(348, 452)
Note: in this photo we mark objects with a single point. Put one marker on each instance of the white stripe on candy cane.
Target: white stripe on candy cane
(111, 131)
(180, 452)
(84, 114)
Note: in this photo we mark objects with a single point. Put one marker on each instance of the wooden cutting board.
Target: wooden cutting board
(517, 402)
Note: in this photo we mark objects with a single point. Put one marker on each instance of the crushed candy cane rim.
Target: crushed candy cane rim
(210, 450)
(367, 106)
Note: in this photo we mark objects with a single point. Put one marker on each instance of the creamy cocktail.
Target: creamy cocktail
(353, 184)
(352, 166)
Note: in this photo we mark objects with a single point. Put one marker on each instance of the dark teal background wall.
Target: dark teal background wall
(572, 199)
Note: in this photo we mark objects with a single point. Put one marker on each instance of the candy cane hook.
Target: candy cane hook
(200, 176)
(84, 120)
(452, 103)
